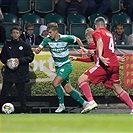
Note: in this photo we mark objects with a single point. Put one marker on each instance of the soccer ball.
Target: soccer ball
(12, 64)
(8, 108)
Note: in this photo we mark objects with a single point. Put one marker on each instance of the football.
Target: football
(8, 108)
(11, 63)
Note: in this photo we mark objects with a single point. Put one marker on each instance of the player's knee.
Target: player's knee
(68, 88)
(55, 84)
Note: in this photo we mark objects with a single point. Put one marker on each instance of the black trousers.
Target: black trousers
(21, 94)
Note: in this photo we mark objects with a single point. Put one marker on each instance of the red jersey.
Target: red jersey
(108, 45)
(92, 45)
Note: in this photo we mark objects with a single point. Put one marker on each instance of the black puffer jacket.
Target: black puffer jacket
(22, 51)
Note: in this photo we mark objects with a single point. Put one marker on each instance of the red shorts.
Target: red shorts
(108, 75)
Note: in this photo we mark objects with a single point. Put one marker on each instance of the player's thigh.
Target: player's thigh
(83, 78)
(57, 81)
(64, 71)
(96, 74)
(115, 77)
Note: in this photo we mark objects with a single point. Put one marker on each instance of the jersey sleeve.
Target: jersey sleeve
(87, 59)
(96, 35)
(71, 38)
(44, 42)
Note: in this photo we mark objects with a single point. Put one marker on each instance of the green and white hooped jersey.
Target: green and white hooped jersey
(59, 48)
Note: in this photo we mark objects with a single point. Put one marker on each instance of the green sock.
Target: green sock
(60, 94)
(75, 95)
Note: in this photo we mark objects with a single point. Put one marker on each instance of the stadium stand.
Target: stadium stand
(78, 29)
(44, 6)
(116, 6)
(33, 18)
(75, 18)
(9, 17)
(24, 6)
(94, 16)
(9, 21)
(124, 18)
(128, 28)
(54, 17)
(76, 22)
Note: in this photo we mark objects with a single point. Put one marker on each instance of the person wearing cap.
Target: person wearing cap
(42, 33)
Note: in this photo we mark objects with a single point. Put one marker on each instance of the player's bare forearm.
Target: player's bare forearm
(100, 51)
(99, 48)
(79, 42)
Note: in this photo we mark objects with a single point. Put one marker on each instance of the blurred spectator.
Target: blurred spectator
(10, 6)
(130, 39)
(28, 35)
(2, 33)
(128, 7)
(42, 33)
(120, 38)
(65, 7)
(98, 6)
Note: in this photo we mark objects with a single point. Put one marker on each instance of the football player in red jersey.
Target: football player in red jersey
(91, 56)
(106, 69)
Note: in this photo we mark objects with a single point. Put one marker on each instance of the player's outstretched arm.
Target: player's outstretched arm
(38, 50)
(79, 42)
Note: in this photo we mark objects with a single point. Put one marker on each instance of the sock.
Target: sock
(75, 95)
(60, 94)
(86, 90)
(124, 96)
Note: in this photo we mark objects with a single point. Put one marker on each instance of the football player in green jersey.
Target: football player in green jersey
(59, 49)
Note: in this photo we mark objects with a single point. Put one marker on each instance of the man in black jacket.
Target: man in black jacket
(23, 55)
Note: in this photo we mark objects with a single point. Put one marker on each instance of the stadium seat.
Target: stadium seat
(78, 29)
(128, 29)
(121, 18)
(116, 6)
(62, 28)
(8, 17)
(30, 17)
(124, 18)
(75, 18)
(53, 17)
(94, 16)
(24, 6)
(44, 6)
(9, 21)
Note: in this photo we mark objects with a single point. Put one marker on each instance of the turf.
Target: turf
(66, 123)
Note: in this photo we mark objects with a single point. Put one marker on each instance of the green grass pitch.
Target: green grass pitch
(66, 123)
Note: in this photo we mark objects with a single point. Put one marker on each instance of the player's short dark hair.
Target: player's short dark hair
(100, 20)
(15, 28)
(52, 26)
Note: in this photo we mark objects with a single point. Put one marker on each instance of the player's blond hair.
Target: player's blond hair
(52, 26)
(88, 32)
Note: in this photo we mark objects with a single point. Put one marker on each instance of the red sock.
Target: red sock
(126, 98)
(86, 90)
